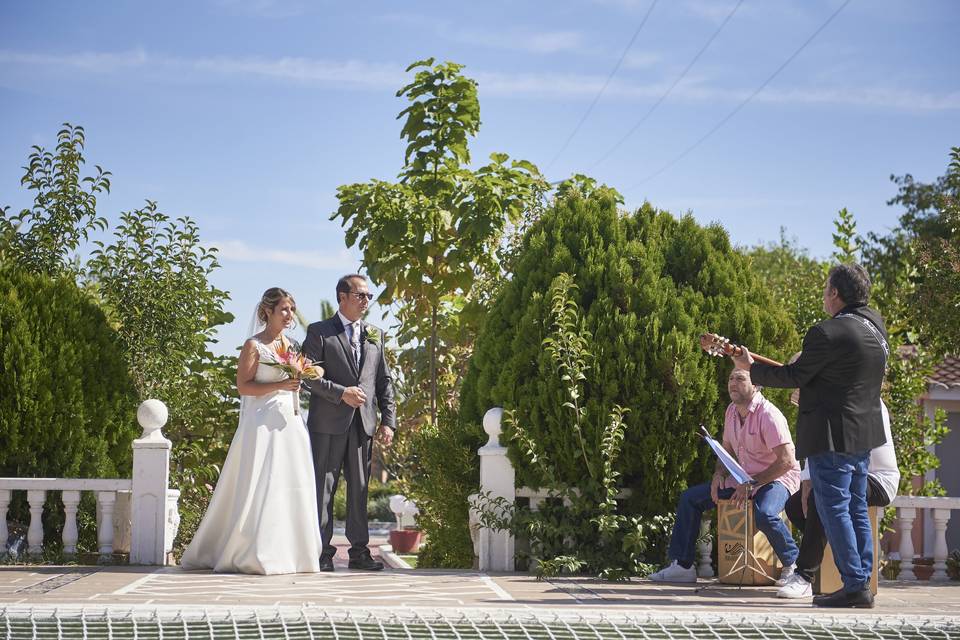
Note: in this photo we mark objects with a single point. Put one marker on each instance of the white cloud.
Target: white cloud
(358, 74)
(347, 73)
(517, 40)
(266, 8)
(641, 60)
(85, 61)
(240, 251)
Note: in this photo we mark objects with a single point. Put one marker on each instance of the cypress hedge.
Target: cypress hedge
(648, 284)
(67, 405)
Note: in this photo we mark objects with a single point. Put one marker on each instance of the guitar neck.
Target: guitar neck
(758, 358)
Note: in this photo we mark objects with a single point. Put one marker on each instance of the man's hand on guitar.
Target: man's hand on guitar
(743, 360)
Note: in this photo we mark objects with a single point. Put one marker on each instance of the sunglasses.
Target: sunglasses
(359, 295)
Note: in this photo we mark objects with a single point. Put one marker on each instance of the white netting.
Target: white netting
(176, 623)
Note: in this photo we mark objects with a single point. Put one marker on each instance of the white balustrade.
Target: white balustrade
(35, 499)
(149, 517)
(494, 549)
(71, 502)
(941, 508)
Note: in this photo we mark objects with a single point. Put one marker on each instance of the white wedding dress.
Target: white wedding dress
(262, 518)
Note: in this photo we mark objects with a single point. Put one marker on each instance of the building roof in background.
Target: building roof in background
(947, 373)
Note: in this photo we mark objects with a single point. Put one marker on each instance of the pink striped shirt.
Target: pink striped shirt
(753, 442)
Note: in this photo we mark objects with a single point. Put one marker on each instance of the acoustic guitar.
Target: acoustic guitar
(719, 346)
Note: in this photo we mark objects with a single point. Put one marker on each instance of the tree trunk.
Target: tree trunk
(433, 365)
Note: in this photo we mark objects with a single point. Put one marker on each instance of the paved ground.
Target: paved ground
(126, 586)
(169, 587)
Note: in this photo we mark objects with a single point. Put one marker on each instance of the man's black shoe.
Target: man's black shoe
(366, 563)
(326, 563)
(862, 599)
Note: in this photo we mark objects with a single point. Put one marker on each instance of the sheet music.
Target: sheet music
(738, 472)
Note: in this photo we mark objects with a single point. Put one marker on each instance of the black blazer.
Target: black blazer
(839, 375)
(326, 344)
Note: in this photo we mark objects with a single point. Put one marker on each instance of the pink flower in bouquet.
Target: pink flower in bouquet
(295, 364)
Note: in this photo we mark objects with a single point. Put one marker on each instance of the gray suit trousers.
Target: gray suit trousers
(350, 451)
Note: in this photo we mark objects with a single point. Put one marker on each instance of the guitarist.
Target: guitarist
(839, 375)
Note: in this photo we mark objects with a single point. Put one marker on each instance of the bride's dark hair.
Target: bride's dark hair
(271, 298)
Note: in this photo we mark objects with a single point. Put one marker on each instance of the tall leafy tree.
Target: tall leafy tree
(936, 294)
(647, 284)
(45, 237)
(428, 235)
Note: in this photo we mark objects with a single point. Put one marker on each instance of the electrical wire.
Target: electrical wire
(656, 104)
(744, 103)
(596, 98)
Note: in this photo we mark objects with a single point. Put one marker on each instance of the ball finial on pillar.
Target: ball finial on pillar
(152, 415)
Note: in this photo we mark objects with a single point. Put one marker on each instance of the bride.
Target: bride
(263, 515)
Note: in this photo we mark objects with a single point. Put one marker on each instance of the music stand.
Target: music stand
(748, 558)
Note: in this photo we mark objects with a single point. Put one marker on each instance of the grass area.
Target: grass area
(410, 559)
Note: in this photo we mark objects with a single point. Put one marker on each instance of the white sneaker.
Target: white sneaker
(785, 574)
(795, 587)
(675, 573)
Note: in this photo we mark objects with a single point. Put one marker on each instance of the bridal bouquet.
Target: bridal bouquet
(296, 365)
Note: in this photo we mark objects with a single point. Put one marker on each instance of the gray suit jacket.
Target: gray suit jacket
(327, 345)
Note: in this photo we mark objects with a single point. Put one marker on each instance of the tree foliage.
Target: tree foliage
(154, 278)
(795, 279)
(152, 283)
(936, 294)
(66, 402)
(45, 237)
(428, 235)
(647, 285)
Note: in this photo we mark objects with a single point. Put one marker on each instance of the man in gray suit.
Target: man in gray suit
(344, 405)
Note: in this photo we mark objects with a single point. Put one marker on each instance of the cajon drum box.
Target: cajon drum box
(827, 580)
(758, 553)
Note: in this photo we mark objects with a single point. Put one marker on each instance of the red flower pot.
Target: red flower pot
(405, 540)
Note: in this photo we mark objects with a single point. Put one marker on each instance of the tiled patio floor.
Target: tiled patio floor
(170, 586)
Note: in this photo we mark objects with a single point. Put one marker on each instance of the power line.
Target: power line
(656, 104)
(745, 102)
(596, 99)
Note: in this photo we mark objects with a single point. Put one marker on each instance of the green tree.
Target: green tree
(45, 237)
(845, 241)
(794, 279)
(911, 363)
(154, 280)
(67, 404)
(647, 285)
(936, 294)
(427, 236)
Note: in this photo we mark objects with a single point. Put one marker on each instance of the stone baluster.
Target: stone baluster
(497, 480)
(35, 499)
(906, 516)
(4, 504)
(105, 501)
(535, 503)
(151, 474)
(71, 500)
(704, 547)
(940, 519)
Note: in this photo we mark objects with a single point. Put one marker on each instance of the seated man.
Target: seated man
(883, 479)
(756, 434)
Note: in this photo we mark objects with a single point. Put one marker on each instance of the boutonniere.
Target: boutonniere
(371, 335)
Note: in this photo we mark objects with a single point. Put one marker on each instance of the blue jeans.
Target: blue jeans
(768, 502)
(840, 490)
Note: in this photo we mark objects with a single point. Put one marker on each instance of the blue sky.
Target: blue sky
(247, 114)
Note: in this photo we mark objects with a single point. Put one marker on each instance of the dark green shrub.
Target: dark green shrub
(438, 469)
(67, 405)
(647, 285)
